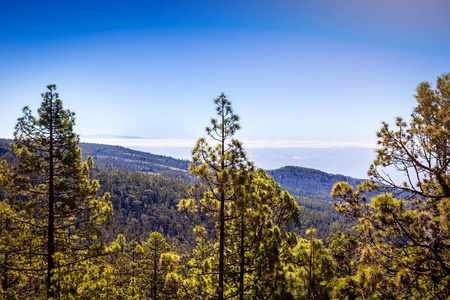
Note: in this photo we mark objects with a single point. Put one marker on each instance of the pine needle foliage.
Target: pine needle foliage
(54, 215)
(405, 229)
(240, 242)
(218, 168)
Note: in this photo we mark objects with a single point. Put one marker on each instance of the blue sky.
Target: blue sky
(311, 80)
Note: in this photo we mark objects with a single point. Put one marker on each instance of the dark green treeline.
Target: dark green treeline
(234, 233)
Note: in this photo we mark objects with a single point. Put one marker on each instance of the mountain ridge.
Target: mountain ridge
(300, 181)
(125, 173)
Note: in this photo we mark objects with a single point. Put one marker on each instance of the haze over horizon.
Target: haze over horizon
(328, 156)
(311, 80)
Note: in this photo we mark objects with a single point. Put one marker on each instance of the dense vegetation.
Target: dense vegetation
(316, 210)
(145, 203)
(124, 158)
(316, 207)
(231, 233)
(404, 231)
(308, 182)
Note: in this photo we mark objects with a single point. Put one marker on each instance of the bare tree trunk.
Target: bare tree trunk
(221, 246)
(222, 218)
(51, 213)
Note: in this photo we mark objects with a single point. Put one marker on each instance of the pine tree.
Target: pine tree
(238, 247)
(52, 197)
(405, 230)
(343, 248)
(309, 268)
(158, 262)
(258, 235)
(217, 168)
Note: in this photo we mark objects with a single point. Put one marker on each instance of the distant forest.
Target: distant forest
(91, 221)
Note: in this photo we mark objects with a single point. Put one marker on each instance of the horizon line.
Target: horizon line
(250, 144)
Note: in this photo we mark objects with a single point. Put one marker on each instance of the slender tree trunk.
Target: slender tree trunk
(222, 217)
(51, 213)
(155, 269)
(242, 259)
(309, 277)
(221, 245)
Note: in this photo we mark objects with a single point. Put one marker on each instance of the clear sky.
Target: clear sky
(311, 80)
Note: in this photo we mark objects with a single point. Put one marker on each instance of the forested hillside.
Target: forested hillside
(127, 167)
(71, 229)
(308, 182)
(299, 181)
(120, 157)
(145, 203)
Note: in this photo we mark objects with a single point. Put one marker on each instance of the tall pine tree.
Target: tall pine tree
(52, 198)
(217, 168)
(239, 246)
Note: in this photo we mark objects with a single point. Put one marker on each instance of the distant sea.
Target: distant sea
(350, 159)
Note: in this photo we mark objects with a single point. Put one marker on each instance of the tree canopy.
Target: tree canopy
(52, 215)
(405, 229)
(238, 236)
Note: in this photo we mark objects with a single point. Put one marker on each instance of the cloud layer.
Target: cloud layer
(248, 144)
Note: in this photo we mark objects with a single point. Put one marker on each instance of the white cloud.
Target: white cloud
(248, 144)
(301, 157)
(263, 144)
(143, 143)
